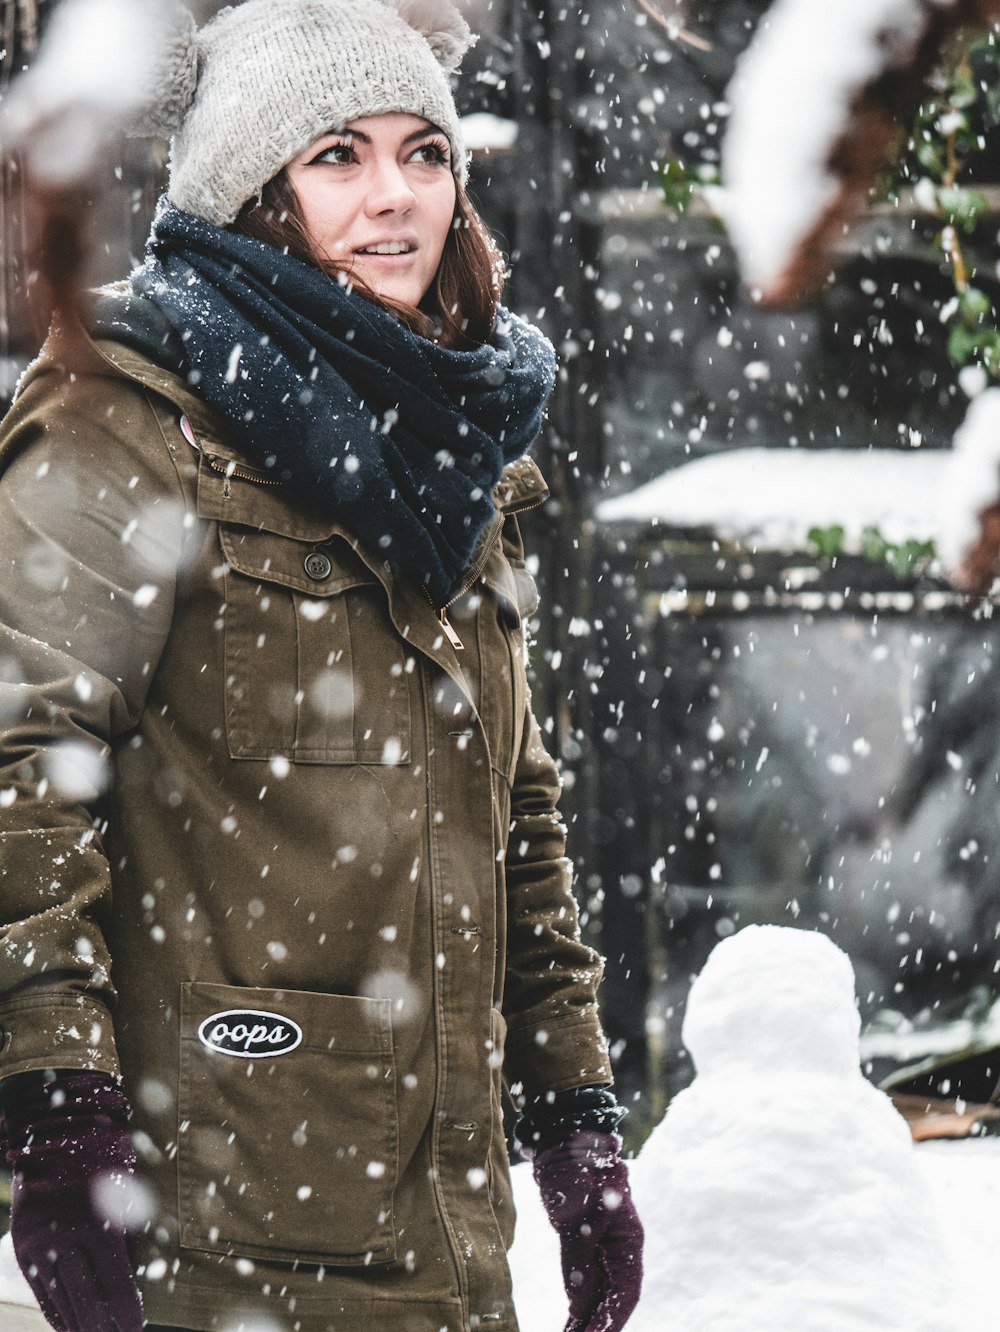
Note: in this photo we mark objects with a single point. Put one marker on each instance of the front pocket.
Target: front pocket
(315, 670)
(288, 1141)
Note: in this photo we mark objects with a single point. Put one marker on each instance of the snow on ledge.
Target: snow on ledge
(483, 132)
(772, 497)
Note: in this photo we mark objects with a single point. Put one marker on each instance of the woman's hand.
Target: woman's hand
(74, 1198)
(584, 1186)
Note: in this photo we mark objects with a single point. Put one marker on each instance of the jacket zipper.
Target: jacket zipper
(230, 469)
(471, 579)
(442, 611)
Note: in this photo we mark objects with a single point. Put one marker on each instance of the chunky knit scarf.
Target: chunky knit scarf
(399, 440)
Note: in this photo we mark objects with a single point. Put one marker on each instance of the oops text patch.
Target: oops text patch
(249, 1033)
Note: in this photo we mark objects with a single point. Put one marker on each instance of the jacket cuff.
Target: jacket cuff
(42, 1031)
(559, 1115)
(557, 1055)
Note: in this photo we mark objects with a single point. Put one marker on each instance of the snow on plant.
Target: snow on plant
(883, 504)
(814, 107)
(949, 134)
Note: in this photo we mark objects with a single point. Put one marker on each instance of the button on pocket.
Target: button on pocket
(318, 565)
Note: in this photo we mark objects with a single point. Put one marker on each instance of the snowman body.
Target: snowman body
(782, 1190)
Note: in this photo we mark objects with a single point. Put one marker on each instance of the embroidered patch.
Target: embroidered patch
(249, 1033)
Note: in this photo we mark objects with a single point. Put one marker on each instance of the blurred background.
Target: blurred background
(749, 730)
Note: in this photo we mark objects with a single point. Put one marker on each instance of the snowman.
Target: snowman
(781, 1192)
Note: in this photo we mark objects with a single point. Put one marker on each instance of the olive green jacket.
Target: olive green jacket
(249, 782)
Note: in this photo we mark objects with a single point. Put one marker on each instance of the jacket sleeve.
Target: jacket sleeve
(92, 527)
(554, 1039)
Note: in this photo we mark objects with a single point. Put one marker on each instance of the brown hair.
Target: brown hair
(466, 290)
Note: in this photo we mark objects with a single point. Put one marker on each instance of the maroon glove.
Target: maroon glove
(584, 1186)
(72, 1162)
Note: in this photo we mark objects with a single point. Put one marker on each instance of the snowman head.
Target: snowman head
(774, 998)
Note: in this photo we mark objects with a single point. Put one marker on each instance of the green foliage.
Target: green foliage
(677, 182)
(909, 557)
(974, 346)
(961, 207)
(949, 135)
(904, 559)
(874, 546)
(951, 126)
(828, 542)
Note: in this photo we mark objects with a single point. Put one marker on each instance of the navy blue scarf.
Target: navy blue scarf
(399, 440)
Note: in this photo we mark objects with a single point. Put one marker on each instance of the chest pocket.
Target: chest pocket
(314, 668)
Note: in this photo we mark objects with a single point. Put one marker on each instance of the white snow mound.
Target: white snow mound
(781, 1190)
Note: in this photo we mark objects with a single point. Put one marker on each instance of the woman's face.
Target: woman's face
(378, 198)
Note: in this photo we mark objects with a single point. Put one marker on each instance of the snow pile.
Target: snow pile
(973, 479)
(483, 132)
(920, 1042)
(791, 99)
(93, 76)
(782, 1189)
(963, 1177)
(773, 497)
(13, 1287)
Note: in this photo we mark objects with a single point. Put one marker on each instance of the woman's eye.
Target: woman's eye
(341, 154)
(433, 153)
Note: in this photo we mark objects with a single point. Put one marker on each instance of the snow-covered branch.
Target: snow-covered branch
(816, 106)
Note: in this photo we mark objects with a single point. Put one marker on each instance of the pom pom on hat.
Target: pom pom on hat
(175, 77)
(442, 27)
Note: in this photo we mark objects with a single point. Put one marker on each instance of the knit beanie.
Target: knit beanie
(242, 96)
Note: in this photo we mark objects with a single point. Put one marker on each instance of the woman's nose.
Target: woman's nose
(389, 191)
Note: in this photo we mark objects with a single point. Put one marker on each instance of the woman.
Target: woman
(284, 890)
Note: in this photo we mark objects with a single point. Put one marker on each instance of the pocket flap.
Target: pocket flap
(527, 590)
(232, 490)
(318, 569)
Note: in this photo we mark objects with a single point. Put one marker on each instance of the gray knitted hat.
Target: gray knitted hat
(260, 82)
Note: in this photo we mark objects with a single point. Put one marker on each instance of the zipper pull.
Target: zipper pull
(449, 630)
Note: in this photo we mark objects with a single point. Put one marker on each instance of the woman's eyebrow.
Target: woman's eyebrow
(362, 137)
